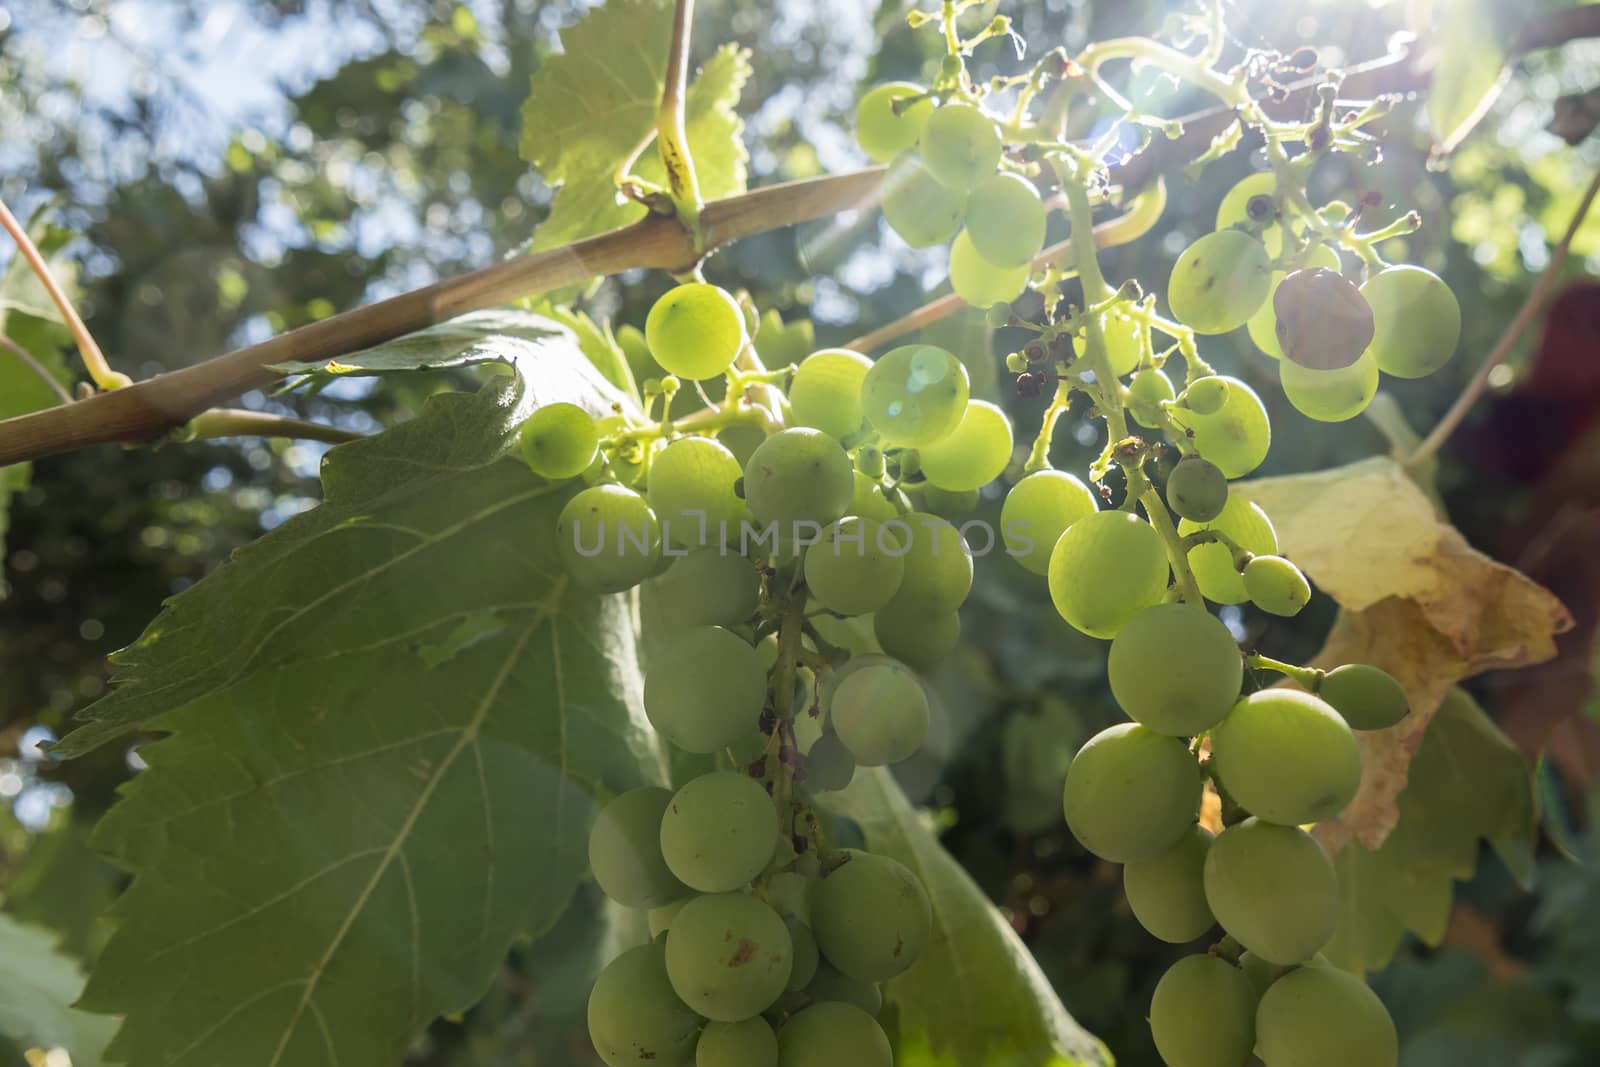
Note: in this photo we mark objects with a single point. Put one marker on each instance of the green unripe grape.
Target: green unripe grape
(1203, 1014)
(1176, 669)
(979, 282)
(1324, 323)
(634, 1014)
(880, 713)
(1131, 793)
(868, 501)
(920, 639)
(826, 391)
(1207, 395)
(1168, 893)
(917, 206)
(1220, 281)
(1263, 325)
(660, 919)
(1331, 395)
(1235, 209)
(949, 504)
(1037, 511)
(1273, 889)
(625, 850)
(728, 956)
(1147, 391)
(1006, 221)
(742, 440)
(1276, 585)
(798, 475)
(831, 1034)
(1237, 437)
(1107, 568)
(1367, 698)
(830, 985)
(1323, 1017)
(559, 441)
(1125, 343)
(806, 954)
(829, 765)
(691, 490)
(856, 568)
(1197, 489)
(1212, 562)
(1261, 973)
(696, 331)
(708, 587)
(707, 690)
(1416, 321)
(915, 394)
(790, 893)
(871, 916)
(609, 539)
(938, 565)
(750, 1043)
(972, 455)
(719, 831)
(883, 131)
(1287, 757)
(961, 146)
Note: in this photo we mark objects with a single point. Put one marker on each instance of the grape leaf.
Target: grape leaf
(37, 988)
(1467, 782)
(498, 335)
(591, 106)
(1470, 70)
(1417, 601)
(359, 806)
(977, 996)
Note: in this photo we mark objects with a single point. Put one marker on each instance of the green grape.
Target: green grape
(1331, 395)
(1323, 1017)
(1237, 437)
(1176, 669)
(742, 440)
(1037, 511)
(1416, 319)
(719, 831)
(707, 689)
(806, 954)
(1105, 569)
(625, 850)
(917, 206)
(691, 490)
(829, 765)
(749, 1043)
(1203, 1014)
(867, 500)
(660, 919)
(856, 568)
(880, 713)
(608, 538)
(728, 956)
(826, 391)
(920, 639)
(914, 395)
(949, 504)
(832, 1034)
(559, 441)
(1273, 889)
(884, 132)
(979, 282)
(798, 476)
(1287, 757)
(696, 330)
(1147, 391)
(1006, 220)
(961, 146)
(1324, 323)
(1367, 698)
(1197, 489)
(1206, 395)
(831, 985)
(1168, 893)
(634, 1014)
(1131, 793)
(972, 455)
(1276, 585)
(708, 587)
(938, 564)
(1220, 281)
(1235, 208)
(870, 915)
(1263, 325)
(1125, 343)
(1261, 973)
(790, 893)
(1212, 562)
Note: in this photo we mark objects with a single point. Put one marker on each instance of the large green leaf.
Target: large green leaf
(388, 720)
(37, 988)
(1470, 69)
(977, 997)
(498, 335)
(592, 105)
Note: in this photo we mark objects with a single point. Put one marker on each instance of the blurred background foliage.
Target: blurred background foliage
(235, 168)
